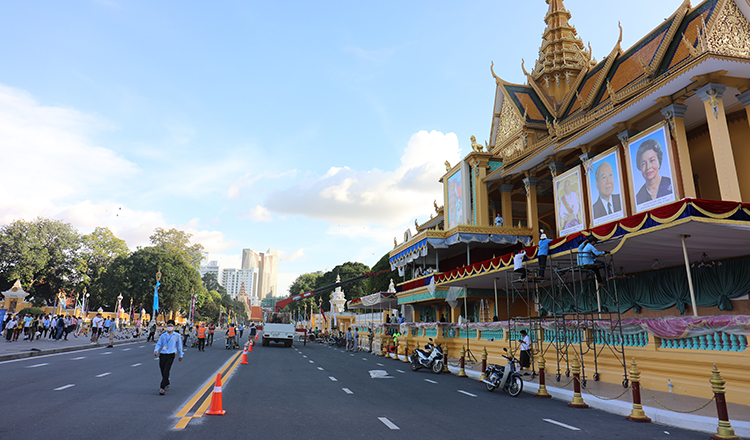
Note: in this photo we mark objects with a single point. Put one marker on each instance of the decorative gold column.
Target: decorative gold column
(726, 170)
(675, 115)
(481, 201)
(532, 212)
(506, 191)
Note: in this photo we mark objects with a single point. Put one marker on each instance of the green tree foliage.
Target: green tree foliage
(212, 283)
(135, 276)
(178, 242)
(42, 253)
(345, 271)
(304, 283)
(379, 283)
(98, 250)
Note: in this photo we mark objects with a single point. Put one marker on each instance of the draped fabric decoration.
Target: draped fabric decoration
(374, 301)
(452, 296)
(714, 287)
(420, 249)
(665, 328)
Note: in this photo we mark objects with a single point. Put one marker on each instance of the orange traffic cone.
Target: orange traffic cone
(244, 355)
(251, 346)
(256, 336)
(215, 408)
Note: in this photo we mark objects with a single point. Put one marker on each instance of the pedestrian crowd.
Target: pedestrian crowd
(28, 327)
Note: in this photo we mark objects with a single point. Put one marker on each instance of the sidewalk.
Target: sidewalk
(23, 349)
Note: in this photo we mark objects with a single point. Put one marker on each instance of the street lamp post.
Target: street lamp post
(86, 305)
(117, 311)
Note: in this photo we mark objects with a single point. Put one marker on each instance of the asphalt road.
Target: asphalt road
(311, 392)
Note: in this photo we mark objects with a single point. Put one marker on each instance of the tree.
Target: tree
(98, 250)
(42, 253)
(345, 271)
(135, 276)
(211, 282)
(380, 282)
(304, 283)
(179, 243)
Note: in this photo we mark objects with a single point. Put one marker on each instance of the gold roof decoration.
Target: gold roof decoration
(563, 59)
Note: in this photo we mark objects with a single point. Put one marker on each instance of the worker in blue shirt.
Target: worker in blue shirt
(168, 345)
(543, 252)
(587, 254)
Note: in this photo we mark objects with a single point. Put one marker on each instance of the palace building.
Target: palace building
(642, 150)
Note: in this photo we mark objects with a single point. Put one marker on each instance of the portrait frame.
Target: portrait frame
(599, 211)
(454, 195)
(640, 198)
(570, 214)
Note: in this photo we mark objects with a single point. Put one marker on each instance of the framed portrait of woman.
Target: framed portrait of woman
(569, 211)
(651, 168)
(604, 177)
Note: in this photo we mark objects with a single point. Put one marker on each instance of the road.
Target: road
(311, 392)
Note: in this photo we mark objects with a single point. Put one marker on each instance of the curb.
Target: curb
(28, 354)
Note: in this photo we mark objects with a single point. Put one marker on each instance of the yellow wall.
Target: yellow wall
(739, 133)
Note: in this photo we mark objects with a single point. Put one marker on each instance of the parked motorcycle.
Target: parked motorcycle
(505, 377)
(431, 358)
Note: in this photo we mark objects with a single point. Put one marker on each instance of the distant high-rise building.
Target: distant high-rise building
(267, 264)
(234, 279)
(211, 267)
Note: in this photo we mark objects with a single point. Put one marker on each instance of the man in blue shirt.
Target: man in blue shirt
(587, 254)
(543, 252)
(169, 344)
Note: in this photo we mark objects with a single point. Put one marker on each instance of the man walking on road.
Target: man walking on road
(169, 344)
(349, 340)
(96, 328)
(211, 330)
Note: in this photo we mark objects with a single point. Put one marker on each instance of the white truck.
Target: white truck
(278, 329)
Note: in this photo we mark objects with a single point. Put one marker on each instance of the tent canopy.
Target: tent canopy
(380, 300)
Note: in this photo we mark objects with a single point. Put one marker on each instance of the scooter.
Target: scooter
(505, 377)
(431, 357)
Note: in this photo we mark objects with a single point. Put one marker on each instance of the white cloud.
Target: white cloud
(390, 198)
(247, 180)
(296, 255)
(260, 214)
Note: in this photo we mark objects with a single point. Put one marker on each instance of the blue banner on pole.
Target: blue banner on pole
(156, 297)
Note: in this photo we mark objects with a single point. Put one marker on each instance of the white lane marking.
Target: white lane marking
(351, 354)
(136, 365)
(555, 422)
(79, 358)
(125, 349)
(103, 374)
(380, 365)
(37, 365)
(141, 346)
(388, 423)
(430, 381)
(65, 386)
(379, 374)
(364, 359)
(347, 391)
(107, 352)
(320, 368)
(304, 356)
(312, 362)
(401, 371)
(467, 393)
(333, 379)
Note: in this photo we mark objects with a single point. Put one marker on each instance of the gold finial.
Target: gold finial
(447, 166)
(717, 382)
(416, 224)
(395, 243)
(158, 275)
(619, 40)
(492, 69)
(523, 68)
(434, 202)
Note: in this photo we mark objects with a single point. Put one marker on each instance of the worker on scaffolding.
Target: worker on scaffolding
(587, 254)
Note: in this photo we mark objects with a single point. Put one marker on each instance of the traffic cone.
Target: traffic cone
(251, 346)
(215, 408)
(244, 355)
(256, 336)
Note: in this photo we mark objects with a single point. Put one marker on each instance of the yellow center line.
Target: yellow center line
(182, 413)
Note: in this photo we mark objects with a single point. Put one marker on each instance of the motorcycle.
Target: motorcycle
(505, 377)
(431, 357)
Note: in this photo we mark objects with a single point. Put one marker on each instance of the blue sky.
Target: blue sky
(318, 129)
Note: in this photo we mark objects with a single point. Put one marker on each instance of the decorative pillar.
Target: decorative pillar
(556, 168)
(726, 171)
(481, 201)
(506, 190)
(637, 414)
(543, 393)
(462, 363)
(675, 115)
(724, 431)
(484, 365)
(744, 98)
(532, 212)
(577, 401)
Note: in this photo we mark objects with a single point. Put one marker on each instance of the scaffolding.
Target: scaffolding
(575, 321)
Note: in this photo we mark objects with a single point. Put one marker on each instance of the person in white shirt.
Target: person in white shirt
(518, 264)
(525, 350)
(96, 328)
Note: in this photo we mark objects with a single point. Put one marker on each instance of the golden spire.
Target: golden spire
(562, 55)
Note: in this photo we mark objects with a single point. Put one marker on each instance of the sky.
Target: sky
(319, 129)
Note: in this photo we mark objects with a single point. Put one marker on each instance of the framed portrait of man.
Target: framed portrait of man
(605, 188)
(454, 200)
(651, 168)
(569, 210)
